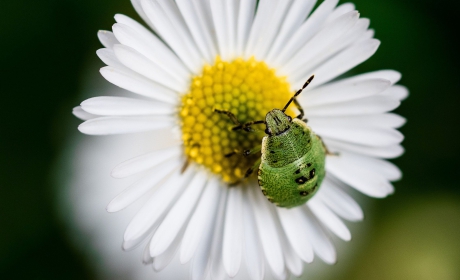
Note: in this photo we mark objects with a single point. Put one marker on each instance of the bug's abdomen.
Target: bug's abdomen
(294, 183)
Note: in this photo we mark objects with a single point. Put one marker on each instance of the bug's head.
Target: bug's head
(277, 122)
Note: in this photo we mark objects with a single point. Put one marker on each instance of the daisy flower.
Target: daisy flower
(247, 57)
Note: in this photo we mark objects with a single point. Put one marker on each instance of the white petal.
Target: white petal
(392, 151)
(197, 28)
(123, 106)
(81, 114)
(293, 262)
(303, 34)
(107, 39)
(320, 241)
(201, 221)
(341, 92)
(387, 120)
(254, 258)
(146, 259)
(329, 36)
(397, 92)
(262, 18)
(370, 183)
(297, 13)
(341, 63)
(364, 106)
(353, 35)
(173, 33)
(267, 232)
(295, 227)
(271, 29)
(329, 219)
(391, 75)
(146, 161)
(201, 262)
(140, 11)
(220, 24)
(369, 34)
(204, 15)
(245, 18)
(231, 15)
(169, 58)
(385, 168)
(156, 207)
(232, 247)
(172, 13)
(108, 57)
(178, 215)
(367, 136)
(339, 201)
(142, 186)
(121, 125)
(136, 83)
(135, 61)
(340, 10)
(153, 50)
(161, 261)
(217, 267)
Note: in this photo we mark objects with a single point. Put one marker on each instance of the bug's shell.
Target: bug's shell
(292, 166)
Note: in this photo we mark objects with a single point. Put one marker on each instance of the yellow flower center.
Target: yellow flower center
(247, 88)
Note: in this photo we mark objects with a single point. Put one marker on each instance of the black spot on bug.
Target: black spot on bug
(303, 193)
(301, 180)
(272, 152)
(275, 161)
(297, 171)
(312, 173)
(264, 192)
(314, 188)
(309, 164)
(270, 199)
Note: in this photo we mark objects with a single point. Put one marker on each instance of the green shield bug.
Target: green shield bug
(292, 165)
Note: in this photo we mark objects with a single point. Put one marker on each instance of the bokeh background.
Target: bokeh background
(48, 47)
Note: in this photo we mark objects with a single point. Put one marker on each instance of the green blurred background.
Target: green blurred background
(47, 46)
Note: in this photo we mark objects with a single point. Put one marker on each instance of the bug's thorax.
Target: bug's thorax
(277, 122)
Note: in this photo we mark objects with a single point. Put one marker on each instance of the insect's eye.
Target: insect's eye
(303, 193)
(289, 118)
(267, 131)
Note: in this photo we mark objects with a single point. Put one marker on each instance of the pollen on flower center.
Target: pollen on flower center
(248, 89)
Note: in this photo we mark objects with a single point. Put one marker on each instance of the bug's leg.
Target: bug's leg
(251, 169)
(235, 152)
(252, 151)
(229, 114)
(247, 126)
(329, 153)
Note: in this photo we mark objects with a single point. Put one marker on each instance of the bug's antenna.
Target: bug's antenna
(298, 92)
